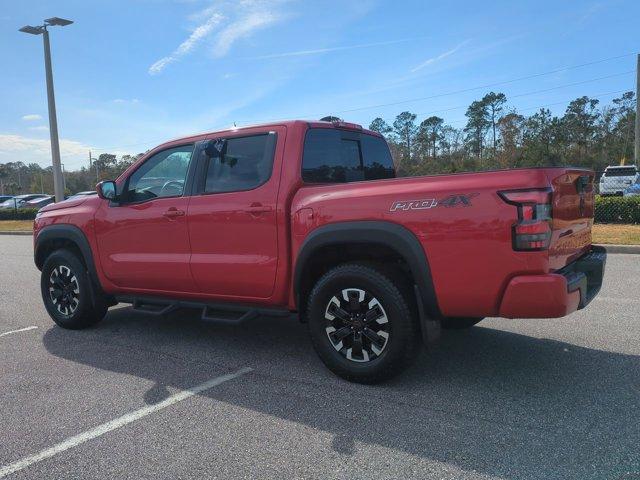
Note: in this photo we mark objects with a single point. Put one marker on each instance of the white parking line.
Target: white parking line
(19, 330)
(116, 423)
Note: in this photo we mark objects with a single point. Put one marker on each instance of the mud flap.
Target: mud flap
(431, 328)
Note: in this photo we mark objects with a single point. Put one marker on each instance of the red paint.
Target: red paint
(544, 294)
(242, 246)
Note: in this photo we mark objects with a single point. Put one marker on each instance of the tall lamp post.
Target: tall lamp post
(58, 181)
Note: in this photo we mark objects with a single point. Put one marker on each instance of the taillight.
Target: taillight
(533, 229)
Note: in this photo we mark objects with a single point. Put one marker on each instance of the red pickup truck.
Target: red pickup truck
(309, 217)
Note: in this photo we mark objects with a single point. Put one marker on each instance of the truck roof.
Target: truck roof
(286, 123)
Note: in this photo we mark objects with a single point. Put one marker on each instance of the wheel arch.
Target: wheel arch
(387, 235)
(53, 237)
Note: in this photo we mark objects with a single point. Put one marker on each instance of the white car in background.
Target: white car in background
(615, 180)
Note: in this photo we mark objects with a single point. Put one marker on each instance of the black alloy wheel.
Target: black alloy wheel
(357, 325)
(64, 290)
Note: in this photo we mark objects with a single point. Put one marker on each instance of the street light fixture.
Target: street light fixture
(58, 180)
(61, 22)
(31, 30)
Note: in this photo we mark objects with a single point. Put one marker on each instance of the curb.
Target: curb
(622, 248)
(633, 249)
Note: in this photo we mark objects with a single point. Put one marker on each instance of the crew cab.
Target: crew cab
(309, 217)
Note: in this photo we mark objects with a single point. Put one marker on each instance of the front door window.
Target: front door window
(162, 175)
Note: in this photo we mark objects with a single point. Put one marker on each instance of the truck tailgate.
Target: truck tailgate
(572, 213)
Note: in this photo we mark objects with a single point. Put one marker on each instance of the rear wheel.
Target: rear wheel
(460, 323)
(361, 325)
(66, 292)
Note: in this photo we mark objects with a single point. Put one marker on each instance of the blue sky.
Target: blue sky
(132, 74)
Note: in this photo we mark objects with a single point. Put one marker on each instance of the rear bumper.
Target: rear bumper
(555, 294)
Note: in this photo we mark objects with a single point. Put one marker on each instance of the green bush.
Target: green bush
(20, 214)
(617, 209)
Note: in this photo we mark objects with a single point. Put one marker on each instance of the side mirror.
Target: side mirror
(214, 147)
(107, 190)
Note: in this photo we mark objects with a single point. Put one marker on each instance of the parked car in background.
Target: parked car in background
(616, 179)
(4, 198)
(86, 193)
(633, 190)
(20, 200)
(38, 202)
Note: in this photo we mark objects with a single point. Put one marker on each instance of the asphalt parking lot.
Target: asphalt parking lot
(547, 399)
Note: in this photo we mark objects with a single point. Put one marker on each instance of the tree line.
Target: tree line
(18, 177)
(496, 136)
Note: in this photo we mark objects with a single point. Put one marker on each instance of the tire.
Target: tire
(460, 323)
(370, 303)
(64, 274)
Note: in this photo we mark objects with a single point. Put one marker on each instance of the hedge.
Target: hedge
(617, 209)
(20, 214)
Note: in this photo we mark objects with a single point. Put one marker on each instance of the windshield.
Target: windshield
(621, 172)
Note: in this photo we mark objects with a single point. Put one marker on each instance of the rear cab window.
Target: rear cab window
(339, 156)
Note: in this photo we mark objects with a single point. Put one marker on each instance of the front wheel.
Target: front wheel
(362, 327)
(66, 292)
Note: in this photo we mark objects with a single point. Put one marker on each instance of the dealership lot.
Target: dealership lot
(507, 399)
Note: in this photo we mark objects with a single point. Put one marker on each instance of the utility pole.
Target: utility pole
(64, 182)
(637, 139)
(58, 181)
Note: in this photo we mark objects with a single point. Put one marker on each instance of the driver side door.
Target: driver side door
(143, 241)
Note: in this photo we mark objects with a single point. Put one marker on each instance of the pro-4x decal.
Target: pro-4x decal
(455, 200)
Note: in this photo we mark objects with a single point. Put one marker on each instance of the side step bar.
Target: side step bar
(225, 314)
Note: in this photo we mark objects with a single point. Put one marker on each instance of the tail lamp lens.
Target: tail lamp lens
(533, 229)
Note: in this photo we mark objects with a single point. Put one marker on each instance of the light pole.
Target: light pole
(58, 181)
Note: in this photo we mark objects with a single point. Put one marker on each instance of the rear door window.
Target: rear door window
(244, 164)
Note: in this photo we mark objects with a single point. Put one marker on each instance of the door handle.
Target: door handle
(173, 212)
(258, 208)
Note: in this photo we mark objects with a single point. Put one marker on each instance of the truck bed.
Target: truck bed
(464, 226)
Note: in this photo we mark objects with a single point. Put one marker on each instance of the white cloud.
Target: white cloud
(31, 117)
(14, 148)
(442, 56)
(242, 19)
(299, 53)
(189, 44)
(244, 27)
(39, 128)
(123, 100)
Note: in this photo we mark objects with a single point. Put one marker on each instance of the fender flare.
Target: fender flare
(69, 233)
(388, 234)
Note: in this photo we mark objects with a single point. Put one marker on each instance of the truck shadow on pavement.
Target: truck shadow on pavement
(484, 400)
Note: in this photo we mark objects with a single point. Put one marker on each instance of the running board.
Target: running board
(141, 306)
(224, 314)
(226, 317)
